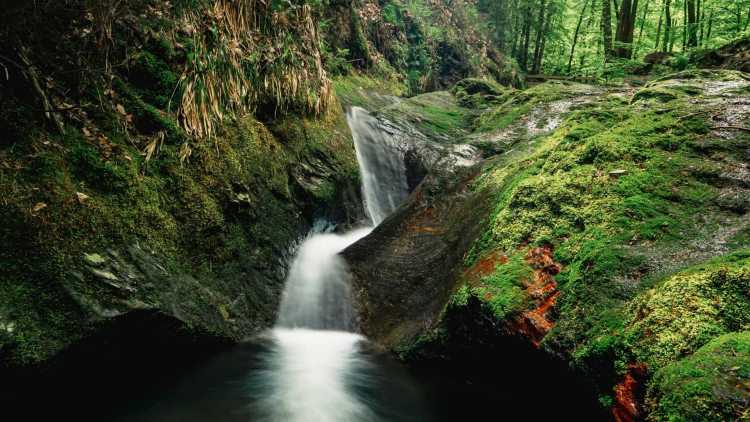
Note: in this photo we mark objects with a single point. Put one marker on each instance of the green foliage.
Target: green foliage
(569, 35)
(202, 216)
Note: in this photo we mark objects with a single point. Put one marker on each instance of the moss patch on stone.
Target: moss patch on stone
(709, 385)
(690, 308)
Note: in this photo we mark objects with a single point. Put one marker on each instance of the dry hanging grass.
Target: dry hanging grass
(244, 54)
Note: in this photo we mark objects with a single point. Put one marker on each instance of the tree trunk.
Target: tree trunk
(626, 28)
(658, 28)
(575, 35)
(667, 26)
(684, 25)
(643, 24)
(701, 19)
(607, 28)
(524, 62)
(692, 21)
(541, 38)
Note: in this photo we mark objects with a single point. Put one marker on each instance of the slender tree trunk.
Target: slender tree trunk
(607, 28)
(643, 24)
(701, 20)
(546, 14)
(515, 36)
(667, 26)
(658, 28)
(684, 25)
(539, 37)
(575, 35)
(692, 21)
(526, 40)
(710, 26)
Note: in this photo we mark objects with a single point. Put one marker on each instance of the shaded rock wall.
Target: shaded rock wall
(404, 271)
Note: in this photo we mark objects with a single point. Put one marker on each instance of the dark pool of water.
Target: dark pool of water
(261, 381)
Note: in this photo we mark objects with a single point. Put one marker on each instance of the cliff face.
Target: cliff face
(145, 184)
(164, 156)
(616, 239)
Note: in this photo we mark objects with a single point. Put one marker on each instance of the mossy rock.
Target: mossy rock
(710, 385)
(478, 93)
(690, 308)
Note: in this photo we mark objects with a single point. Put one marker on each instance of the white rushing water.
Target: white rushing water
(315, 368)
(381, 164)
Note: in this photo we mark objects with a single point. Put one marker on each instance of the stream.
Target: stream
(313, 366)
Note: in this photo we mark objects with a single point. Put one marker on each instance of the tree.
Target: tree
(577, 33)
(692, 21)
(667, 26)
(626, 28)
(540, 38)
(607, 28)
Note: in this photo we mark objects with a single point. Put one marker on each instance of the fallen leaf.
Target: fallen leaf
(38, 207)
(82, 197)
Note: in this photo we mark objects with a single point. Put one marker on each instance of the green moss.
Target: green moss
(228, 210)
(690, 308)
(436, 115)
(611, 189)
(710, 385)
(503, 290)
(478, 93)
(515, 104)
(153, 77)
(366, 92)
(660, 94)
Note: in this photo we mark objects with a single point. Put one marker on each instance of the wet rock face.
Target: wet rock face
(114, 283)
(415, 169)
(128, 354)
(629, 393)
(405, 270)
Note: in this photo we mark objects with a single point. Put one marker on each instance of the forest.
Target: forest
(600, 38)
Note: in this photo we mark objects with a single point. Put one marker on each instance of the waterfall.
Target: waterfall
(317, 290)
(381, 165)
(315, 368)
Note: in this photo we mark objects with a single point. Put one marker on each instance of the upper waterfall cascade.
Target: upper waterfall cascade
(381, 164)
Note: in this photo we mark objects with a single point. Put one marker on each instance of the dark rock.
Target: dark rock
(737, 200)
(405, 271)
(415, 169)
(658, 57)
(735, 55)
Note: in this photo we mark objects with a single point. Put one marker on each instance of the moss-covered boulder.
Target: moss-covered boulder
(614, 240)
(709, 385)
